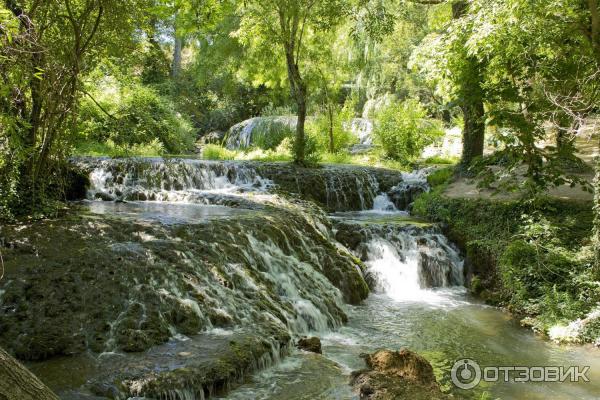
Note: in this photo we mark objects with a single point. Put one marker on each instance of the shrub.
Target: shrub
(440, 177)
(140, 120)
(343, 138)
(271, 131)
(403, 130)
(216, 152)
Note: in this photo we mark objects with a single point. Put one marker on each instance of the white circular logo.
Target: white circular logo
(466, 374)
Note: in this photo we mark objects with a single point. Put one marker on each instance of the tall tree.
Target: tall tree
(467, 76)
(289, 23)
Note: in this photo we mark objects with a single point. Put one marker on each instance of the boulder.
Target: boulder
(396, 375)
(312, 344)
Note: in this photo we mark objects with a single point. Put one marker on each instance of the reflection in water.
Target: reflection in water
(165, 213)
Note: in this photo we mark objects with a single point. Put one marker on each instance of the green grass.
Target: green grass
(96, 149)
(439, 160)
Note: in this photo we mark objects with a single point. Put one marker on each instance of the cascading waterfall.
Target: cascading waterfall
(405, 261)
(169, 181)
(405, 264)
(294, 284)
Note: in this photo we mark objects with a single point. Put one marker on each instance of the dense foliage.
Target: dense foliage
(404, 130)
(534, 258)
(155, 76)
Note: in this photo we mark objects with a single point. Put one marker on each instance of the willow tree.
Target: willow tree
(288, 24)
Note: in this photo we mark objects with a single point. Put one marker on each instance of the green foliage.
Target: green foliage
(46, 51)
(438, 160)
(591, 331)
(529, 270)
(440, 177)
(271, 131)
(216, 152)
(336, 124)
(138, 118)
(403, 130)
(538, 254)
(281, 153)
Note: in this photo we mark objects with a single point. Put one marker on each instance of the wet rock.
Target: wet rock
(310, 344)
(393, 375)
(404, 194)
(77, 182)
(214, 137)
(336, 188)
(435, 270)
(110, 284)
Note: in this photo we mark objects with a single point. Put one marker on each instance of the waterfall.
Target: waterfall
(405, 265)
(336, 188)
(154, 179)
(246, 133)
(405, 259)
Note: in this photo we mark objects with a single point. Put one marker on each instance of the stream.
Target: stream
(417, 300)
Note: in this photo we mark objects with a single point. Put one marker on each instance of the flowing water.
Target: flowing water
(418, 298)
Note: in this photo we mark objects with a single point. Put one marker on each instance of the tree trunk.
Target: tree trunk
(596, 237)
(473, 131)
(17, 383)
(300, 144)
(331, 138)
(177, 49)
(471, 101)
(298, 91)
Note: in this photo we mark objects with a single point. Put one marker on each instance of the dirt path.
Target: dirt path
(587, 146)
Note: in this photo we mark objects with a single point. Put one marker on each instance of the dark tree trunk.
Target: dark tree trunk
(300, 136)
(473, 131)
(596, 238)
(298, 91)
(471, 101)
(18, 383)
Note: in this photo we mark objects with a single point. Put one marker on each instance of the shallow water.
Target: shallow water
(162, 212)
(444, 326)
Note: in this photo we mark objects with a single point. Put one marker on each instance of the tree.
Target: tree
(289, 23)
(42, 62)
(18, 383)
(466, 74)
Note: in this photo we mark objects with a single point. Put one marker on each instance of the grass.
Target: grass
(95, 149)
(281, 154)
(440, 160)
(372, 159)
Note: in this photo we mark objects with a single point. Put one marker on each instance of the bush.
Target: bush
(216, 152)
(140, 120)
(403, 130)
(271, 131)
(440, 177)
(318, 129)
(533, 258)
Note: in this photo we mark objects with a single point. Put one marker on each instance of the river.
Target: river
(417, 300)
